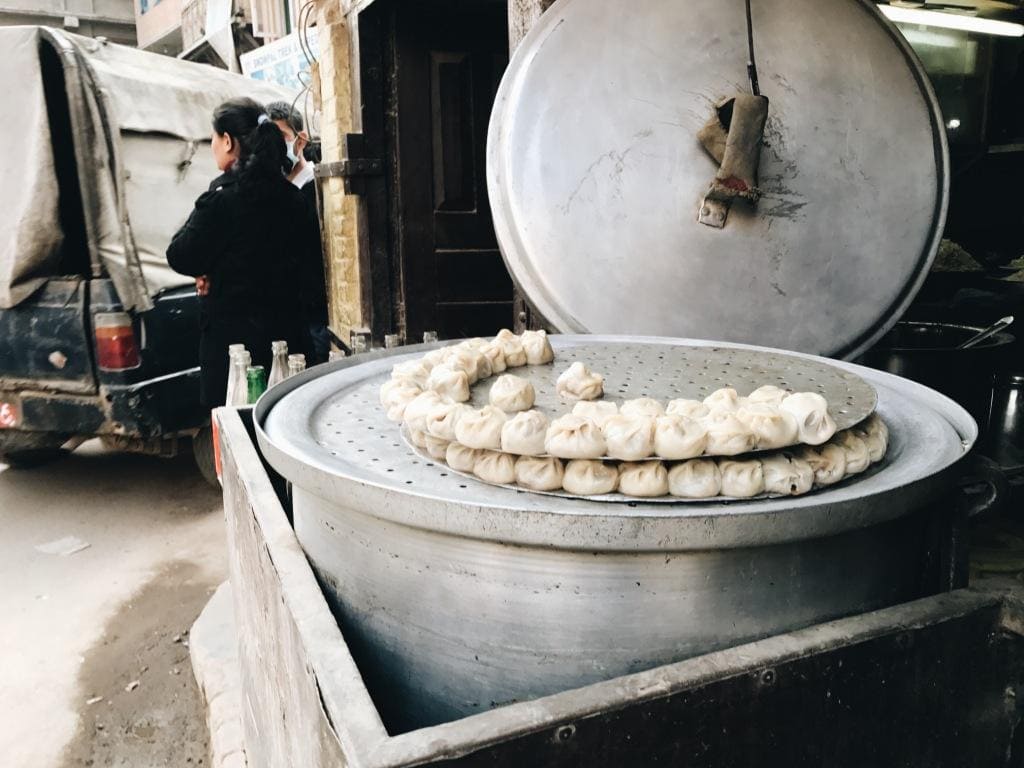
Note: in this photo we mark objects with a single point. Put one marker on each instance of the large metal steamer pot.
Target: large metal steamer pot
(458, 597)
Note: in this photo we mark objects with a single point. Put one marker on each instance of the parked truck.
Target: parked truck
(106, 148)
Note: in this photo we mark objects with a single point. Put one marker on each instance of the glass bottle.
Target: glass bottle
(256, 382)
(336, 354)
(233, 350)
(296, 364)
(429, 337)
(360, 343)
(239, 396)
(391, 340)
(279, 368)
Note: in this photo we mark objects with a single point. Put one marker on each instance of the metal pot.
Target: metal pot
(457, 597)
(927, 353)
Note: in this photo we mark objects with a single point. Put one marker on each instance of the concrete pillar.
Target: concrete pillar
(340, 211)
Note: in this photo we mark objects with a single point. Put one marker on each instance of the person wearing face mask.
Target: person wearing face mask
(302, 175)
(248, 236)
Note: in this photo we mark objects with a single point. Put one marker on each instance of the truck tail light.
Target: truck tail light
(116, 348)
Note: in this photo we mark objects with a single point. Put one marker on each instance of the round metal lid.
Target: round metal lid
(596, 175)
(324, 430)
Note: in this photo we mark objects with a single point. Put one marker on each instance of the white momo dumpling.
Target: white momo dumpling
(812, 419)
(436, 447)
(539, 474)
(395, 396)
(417, 438)
(771, 426)
(629, 438)
(481, 429)
(511, 393)
(646, 479)
(435, 357)
(858, 457)
(769, 394)
(875, 435)
(590, 478)
(511, 347)
(537, 347)
(449, 382)
(475, 343)
(727, 435)
(694, 409)
(472, 362)
(442, 418)
(642, 406)
(524, 434)
(827, 461)
(679, 437)
(460, 458)
(578, 382)
(741, 479)
(786, 475)
(697, 479)
(412, 371)
(415, 415)
(574, 437)
(495, 356)
(724, 399)
(495, 467)
(599, 411)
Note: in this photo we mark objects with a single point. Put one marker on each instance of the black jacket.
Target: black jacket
(314, 281)
(252, 246)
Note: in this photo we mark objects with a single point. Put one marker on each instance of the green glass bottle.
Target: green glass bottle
(256, 381)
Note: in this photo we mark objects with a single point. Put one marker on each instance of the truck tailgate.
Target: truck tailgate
(44, 343)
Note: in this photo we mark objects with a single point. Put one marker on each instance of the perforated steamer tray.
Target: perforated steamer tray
(663, 372)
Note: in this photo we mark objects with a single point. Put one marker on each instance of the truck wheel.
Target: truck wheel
(21, 450)
(202, 450)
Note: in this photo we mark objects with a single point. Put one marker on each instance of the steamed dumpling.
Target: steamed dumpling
(472, 362)
(436, 357)
(741, 479)
(827, 461)
(629, 438)
(812, 418)
(512, 348)
(417, 438)
(597, 410)
(411, 371)
(442, 418)
(495, 467)
(415, 414)
(679, 437)
(495, 357)
(642, 406)
(727, 435)
(696, 479)
(537, 347)
(449, 382)
(590, 478)
(875, 435)
(481, 429)
(511, 394)
(771, 426)
(436, 447)
(646, 479)
(769, 394)
(395, 396)
(578, 382)
(724, 399)
(460, 458)
(539, 474)
(858, 457)
(574, 437)
(694, 409)
(786, 475)
(524, 434)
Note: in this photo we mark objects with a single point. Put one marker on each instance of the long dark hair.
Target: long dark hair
(262, 153)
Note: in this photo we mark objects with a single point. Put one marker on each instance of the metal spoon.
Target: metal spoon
(992, 330)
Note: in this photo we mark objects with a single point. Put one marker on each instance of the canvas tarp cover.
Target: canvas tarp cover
(146, 139)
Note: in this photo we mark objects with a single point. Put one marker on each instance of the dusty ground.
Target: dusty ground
(93, 623)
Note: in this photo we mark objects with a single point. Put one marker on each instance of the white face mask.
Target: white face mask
(290, 149)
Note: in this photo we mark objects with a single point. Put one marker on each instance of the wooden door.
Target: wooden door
(448, 60)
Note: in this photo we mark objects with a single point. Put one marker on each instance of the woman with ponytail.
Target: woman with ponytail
(247, 238)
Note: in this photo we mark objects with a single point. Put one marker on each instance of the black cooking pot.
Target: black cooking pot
(927, 353)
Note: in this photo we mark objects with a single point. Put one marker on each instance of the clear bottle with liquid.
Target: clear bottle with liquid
(279, 368)
(296, 364)
(233, 350)
(238, 396)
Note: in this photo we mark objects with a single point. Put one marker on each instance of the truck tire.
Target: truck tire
(22, 450)
(202, 451)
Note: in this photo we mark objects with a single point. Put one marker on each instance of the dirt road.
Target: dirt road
(95, 643)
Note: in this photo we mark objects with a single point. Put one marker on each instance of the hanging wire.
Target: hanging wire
(751, 64)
